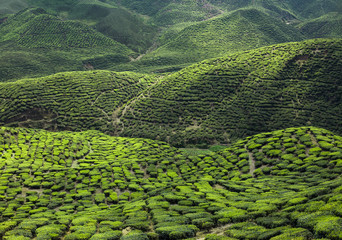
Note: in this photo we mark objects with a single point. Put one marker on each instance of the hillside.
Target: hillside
(70, 100)
(275, 185)
(219, 100)
(166, 36)
(238, 31)
(116, 22)
(34, 43)
(326, 26)
(9, 7)
(215, 101)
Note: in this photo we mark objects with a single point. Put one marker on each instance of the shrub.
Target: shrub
(177, 231)
(6, 226)
(272, 222)
(113, 225)
(48, 232)
(245, 230)
(329, 226)
(109, 235)
(293, 233)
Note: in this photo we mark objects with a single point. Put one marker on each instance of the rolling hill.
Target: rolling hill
(219, 100)
(10, 7)
(216, 101)
(326, 26)
(71, 100)
(166, 36)
(238, 31)
(246, 144)
(277, 185)
(34, 43)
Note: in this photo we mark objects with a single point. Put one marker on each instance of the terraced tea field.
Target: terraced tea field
(88, 185)
(216, 101)
(71, 100)
(35, 43)
(111, 128)
(229, 33)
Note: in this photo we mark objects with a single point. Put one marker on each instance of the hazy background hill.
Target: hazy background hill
(34, 43)
(166, 36)
(237, 31)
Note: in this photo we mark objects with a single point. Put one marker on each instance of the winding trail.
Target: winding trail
(251, 162)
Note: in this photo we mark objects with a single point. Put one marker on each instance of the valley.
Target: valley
(170, 120)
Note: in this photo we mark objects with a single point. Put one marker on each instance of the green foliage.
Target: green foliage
(103, 190)
(200, 112)
(35, 43)
(237, 31)
(326, 26)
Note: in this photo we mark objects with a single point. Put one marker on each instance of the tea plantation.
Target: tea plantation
(329, 25)
(278, 185)
(112, 128)
(70, 100)
(34, 43)
(222, 99)
(216, 101)
(237, 31)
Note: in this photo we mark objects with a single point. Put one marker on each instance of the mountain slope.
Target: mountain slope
(221, 99)
(218, 100)
(45, 39)
(70, 100)
(92, 186)
(8, 7)
(116, 22)
(326, 26)
(238, 31)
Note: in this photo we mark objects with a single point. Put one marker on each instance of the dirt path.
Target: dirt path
(218, 231)
(251, 162)
(115, 115)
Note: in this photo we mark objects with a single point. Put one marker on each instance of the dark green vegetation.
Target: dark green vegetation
(240, 30)
(276, 185)
(225, 182)
(34, 43)
(238, 25)
(329, 25)
(217, 100)
(70, 100)
(239, 95)
(159, 36)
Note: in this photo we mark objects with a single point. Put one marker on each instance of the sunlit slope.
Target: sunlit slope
(329, 25)
(221, 99)
(70, 100)
(241, 30)
(33, 43)
(276, 185)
